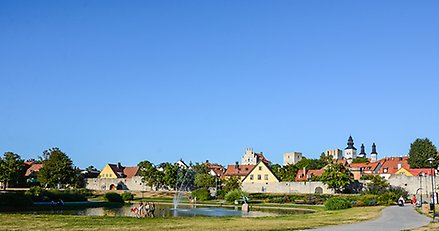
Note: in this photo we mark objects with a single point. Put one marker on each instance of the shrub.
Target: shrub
(233, 195)
(15, 199)
(220, 194)
(281, 200)
(337, 203)
(113, 197)
(201, 194)
(127, 196)
(37, 193)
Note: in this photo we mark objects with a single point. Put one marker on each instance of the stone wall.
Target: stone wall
(413, 183)
(287, 187)
(133, 184)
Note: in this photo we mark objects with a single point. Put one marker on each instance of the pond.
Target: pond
(165, 210)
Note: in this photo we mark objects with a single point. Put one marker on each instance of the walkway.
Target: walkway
(392, 218)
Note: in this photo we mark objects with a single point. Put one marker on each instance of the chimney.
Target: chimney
(236, 164)
(119, 167)
(399, 166)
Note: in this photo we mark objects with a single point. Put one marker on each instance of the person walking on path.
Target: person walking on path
(414, 200)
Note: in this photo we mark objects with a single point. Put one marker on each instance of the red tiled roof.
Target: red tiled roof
(261, 157)
(130, 171)
(240, 170)
(305, 175)
(33, 168)
(418, 171)
(390, 165)
(217, 169)
(124, 172)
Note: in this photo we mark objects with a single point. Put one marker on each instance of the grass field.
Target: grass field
(293, 222)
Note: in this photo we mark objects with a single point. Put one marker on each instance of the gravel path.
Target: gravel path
(392, 218)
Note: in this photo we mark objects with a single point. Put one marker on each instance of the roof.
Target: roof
(365, 166)
(33, 168)
(261, 157)
(304, 175)
(238, 170)
(420, 171)
(217, 169)
(390, 165)
(124, 172)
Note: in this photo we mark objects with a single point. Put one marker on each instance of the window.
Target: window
(251, 177)
(259, 177)
(385, 170)
(260, 168)
(266, 177)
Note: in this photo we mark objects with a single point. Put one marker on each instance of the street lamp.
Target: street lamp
(420, 184)
(431, 159)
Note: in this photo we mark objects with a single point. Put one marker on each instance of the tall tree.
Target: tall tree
(420, 151)
(11, 168)
(336, 176)
(233, 182)
(57, 169)
(204, 180)
(150, 175)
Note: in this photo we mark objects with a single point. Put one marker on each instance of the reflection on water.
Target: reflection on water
(183, 211)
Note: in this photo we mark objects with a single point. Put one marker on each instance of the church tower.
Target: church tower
(350, 152)
(373, 154)
(362, 152)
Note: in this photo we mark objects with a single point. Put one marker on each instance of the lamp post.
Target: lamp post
(420, 185)
(431, 159)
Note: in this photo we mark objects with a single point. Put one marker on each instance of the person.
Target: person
(152, 209)
(141, 209)
(147, 208)
(401, 201)
(414, 200)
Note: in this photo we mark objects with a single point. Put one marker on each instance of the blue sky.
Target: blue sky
(113, 81)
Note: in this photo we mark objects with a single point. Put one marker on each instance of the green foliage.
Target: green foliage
(376, 186)
(285, 173)
(232, 183)
(113, 197)
(360, 160)
(326, 159)
(337, 203)
(127, 196)
(37, 194)
(311, 164)
(150, 175)
(204, 180)
(11, 168)
(420, 151)
(220, 194)
(15, 199)
(233, 195)
(336, 176)
(201, 194)
(57, 169)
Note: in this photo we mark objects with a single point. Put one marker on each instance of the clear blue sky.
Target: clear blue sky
(110, 81)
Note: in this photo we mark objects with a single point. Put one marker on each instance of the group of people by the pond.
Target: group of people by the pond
(146, 209)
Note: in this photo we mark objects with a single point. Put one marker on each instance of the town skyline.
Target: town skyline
(161, 81)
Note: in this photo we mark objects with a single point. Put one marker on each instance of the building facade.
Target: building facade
(291, 158)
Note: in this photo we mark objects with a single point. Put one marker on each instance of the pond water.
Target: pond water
(164, 210)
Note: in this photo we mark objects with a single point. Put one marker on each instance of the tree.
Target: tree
(150, 175)
(336, 176)
(234, 182)
(203, 180)
(360, 160)
(57, 169)
(328, 159)
(11, 168)
(420, 151)
(170, 172)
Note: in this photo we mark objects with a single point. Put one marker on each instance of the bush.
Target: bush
(15, 199)
(127, 196)
(233, 195)
(201, 194)
(113, 197)
(337, 203)
(39, 194)
(284, 199)
(220, 194)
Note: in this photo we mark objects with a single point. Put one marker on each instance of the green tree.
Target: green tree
(420, 151)
(203, 180)
(360, 160)
(327, 159)
(233, 182)
(170, 172)
(336, 177)
(57, 169)
(150, 175)
(11, 168)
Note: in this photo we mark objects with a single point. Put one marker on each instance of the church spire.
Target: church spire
(362, 152)
(374, 149)
(374, 154)
(350, 143)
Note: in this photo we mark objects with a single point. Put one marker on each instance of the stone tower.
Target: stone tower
(292, 158)
(373, 154)
(249, 157)
(350, 151)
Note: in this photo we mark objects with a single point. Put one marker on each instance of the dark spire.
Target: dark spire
(362, 150)
(374, 149)
(351, 143)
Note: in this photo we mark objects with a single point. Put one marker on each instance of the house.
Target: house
(261, 173)
(182, 164)
(216, 169)
(391, 165)
(414, 172)
(237, 170)
(306, 175)
(118, 171)
(360, 169)
(32, 172)
(252, 158)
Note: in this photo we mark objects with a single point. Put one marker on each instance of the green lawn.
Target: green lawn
(71, 222)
